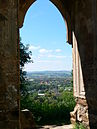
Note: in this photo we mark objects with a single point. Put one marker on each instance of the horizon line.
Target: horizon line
(50, 70)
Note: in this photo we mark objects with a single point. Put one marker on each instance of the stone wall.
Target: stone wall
(81, 18)
(9, 70)
(85, 33)
(80, 113)
(27, 120)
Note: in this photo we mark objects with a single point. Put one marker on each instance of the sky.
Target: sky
(45, 31)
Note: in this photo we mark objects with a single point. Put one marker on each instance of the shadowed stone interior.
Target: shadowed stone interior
(81, 21)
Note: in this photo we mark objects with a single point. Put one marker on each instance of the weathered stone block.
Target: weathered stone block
(27, 121)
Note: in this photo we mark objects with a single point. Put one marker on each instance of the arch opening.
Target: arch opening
(58, 56)
(24, 6)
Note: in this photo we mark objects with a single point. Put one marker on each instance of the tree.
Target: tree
(25, 57)
(72, 78)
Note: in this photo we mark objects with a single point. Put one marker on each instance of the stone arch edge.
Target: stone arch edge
(24, 6)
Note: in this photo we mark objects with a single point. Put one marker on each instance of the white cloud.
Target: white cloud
(56, 56)
(43, 51)
(44, 61)
(42, 65)
(58, 50)
(32, 48)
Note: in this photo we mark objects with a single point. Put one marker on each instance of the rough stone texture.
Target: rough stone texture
(80, 113)
(81, 21)
(9, 79)
(27, 121)
(85, 32)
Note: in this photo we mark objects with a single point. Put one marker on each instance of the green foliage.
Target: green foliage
(25, 54)
(72, 78)
(79, 126)
(25, 57)
(49, 109)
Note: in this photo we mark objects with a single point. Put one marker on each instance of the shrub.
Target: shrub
(79, 126)
(50, 109)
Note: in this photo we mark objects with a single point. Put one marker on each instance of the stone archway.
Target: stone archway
(81, 24)
(81, 18)
(65, 9)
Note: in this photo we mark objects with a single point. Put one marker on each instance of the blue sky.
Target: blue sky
(44, 29)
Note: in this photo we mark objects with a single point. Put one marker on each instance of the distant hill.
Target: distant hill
(49, 74)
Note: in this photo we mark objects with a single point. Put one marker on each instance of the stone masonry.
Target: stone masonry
(81, 20)
(9, 70)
